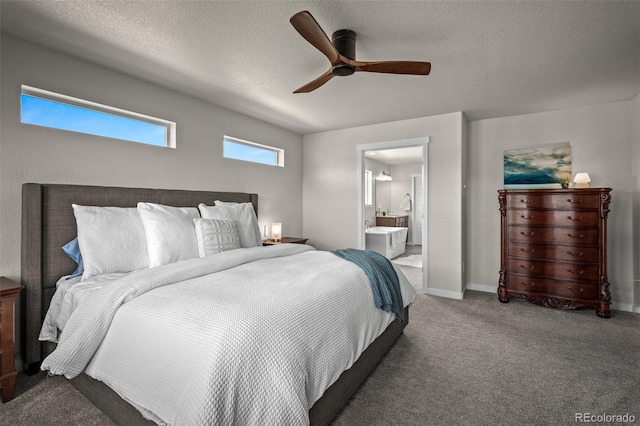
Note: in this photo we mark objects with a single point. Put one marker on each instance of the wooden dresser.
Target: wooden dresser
(554, 247)
(9, 290)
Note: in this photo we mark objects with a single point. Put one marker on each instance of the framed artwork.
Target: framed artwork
(537, 167)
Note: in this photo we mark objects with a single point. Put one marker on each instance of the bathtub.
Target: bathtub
(388, 241)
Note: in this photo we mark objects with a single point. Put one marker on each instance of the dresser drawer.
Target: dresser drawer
(573, 271)
(554, 252)
(568, 289)
(532, 234)
(564, 201)
(570, 218)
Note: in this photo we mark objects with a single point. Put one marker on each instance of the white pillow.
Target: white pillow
(111, 239)
(170, 232)
(215, 236)
(244, 214)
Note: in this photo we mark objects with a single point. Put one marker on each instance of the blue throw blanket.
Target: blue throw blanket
(383, 278)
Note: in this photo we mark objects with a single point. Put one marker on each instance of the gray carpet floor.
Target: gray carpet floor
(459, 362)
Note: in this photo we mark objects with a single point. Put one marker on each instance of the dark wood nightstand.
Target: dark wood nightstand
(285, 240)
(9, 290)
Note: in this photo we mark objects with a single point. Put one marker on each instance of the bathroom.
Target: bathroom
(393, 204)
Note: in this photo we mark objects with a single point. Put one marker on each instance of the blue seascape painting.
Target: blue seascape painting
(538, 167)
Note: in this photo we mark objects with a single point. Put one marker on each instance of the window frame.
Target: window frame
(170, 126)
(368, 188)
(233, 140)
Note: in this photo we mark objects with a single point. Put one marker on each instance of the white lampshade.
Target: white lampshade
(582, 180)
(276, 231)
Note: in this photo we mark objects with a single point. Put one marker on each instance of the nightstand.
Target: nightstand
(285, 240)
(9, 290)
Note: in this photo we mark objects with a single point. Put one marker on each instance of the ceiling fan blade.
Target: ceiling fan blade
(309, 28)
(393, 67)
(313, 85)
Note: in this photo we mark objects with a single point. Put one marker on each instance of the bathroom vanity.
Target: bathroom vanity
(401, 221)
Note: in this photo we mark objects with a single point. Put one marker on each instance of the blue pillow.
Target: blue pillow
(72, 249)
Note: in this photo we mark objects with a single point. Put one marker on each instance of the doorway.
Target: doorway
(410, 164)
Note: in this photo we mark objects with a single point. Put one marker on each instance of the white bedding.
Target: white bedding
(248, 336)
(70, 292)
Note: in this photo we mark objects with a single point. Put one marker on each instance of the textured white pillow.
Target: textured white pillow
(111, 239)
(215, 236)
(244, 214)
(170, 232)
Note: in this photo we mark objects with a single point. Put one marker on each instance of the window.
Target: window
(368, 188)
(48, 109)
(239, 149)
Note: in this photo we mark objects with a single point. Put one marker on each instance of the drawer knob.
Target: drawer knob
(570, 253)
(581, 236)
(575, 202)
(531, 268)
(528, 217)
(526, 284)
(576, 291)
(572, 272)
(528, 251)
(531, 234)
(528, 201)
(580, 219)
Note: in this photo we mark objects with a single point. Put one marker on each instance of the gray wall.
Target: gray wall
(37, 154)
(601, 142)
(330, 191)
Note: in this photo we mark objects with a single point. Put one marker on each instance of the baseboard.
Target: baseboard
(483, 287)
(625, 307)
(444, 293)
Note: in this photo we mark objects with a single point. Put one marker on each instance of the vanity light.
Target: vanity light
(582, 180)
(384, 176)
(276, 231)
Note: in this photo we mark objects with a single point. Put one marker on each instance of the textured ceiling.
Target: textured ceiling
(489, 59)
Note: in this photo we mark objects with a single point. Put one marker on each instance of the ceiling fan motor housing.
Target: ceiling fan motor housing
(345, 43)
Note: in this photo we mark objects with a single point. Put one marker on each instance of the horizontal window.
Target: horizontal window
(48, 109)
(239, 149)
(368, 187)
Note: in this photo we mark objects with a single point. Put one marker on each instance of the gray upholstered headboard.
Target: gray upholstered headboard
(48, 223)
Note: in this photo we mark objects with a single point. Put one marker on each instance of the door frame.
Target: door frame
(402, 143)
(414, 177)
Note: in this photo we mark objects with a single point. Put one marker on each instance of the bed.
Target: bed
(48, 222)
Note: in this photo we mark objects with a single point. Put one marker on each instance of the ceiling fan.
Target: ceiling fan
(341, 52)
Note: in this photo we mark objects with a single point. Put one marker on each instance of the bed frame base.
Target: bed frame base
(321, 414)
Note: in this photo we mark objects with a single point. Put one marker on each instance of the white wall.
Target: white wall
(330, 190)
(37, 154)
(600, 137)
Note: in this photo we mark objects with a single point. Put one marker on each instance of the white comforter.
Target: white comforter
(249, 336)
